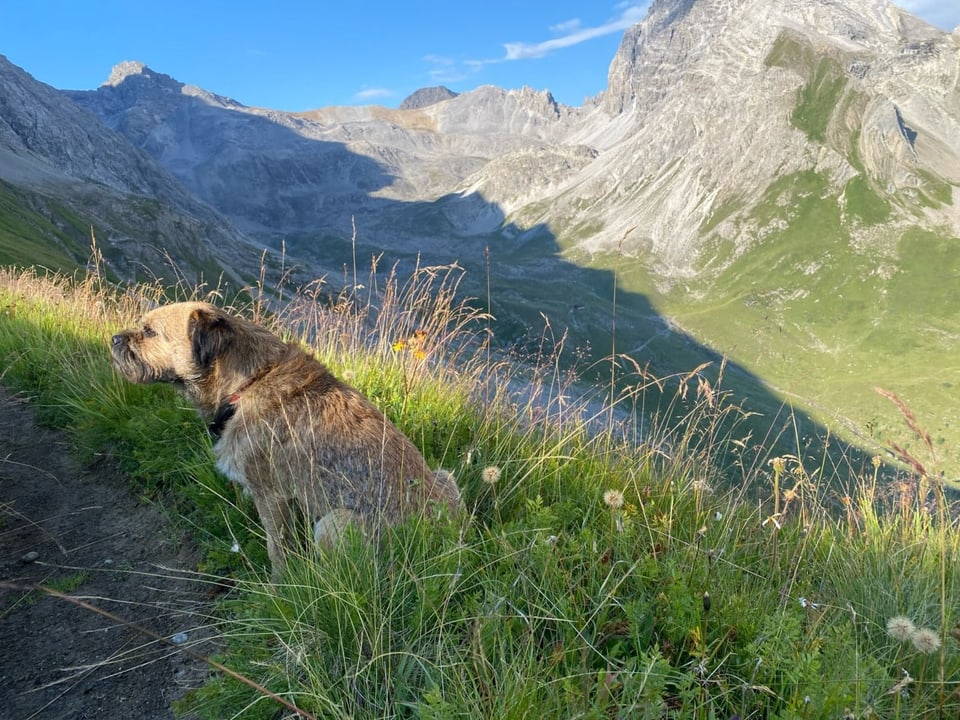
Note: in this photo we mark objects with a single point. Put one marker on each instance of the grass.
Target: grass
(602, 567)
(817, 100)
(39, 232)
(823, 93)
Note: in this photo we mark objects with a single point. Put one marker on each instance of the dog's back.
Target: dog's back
(300, 432)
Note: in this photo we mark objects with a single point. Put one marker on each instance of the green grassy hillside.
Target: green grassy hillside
(36, 231)
(816, 322)
(590, 575)
(824, 322)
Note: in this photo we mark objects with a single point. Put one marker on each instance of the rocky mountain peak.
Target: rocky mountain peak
(541, 100)
(674, 34)
(65, 163)
(424, 97)
(121, 71)
(678, 36)
(722, 94)
(138, 71)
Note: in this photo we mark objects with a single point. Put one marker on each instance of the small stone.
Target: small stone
(30, 557)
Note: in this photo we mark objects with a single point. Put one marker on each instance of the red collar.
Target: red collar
(228, 409)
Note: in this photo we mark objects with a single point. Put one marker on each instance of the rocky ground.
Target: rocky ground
(79, 529)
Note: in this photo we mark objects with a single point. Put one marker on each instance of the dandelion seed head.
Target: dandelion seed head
(613, 499)
(901, 628)
(926, 641)
(491, 475)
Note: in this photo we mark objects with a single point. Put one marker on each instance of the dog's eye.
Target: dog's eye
(149, 332)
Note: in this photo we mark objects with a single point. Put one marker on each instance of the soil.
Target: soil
(78, 529)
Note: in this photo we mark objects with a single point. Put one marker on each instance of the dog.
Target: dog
(308, 448)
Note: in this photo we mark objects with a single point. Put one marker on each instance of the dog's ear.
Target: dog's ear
(210, 335)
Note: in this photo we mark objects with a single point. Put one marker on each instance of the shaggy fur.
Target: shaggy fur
(308, 447)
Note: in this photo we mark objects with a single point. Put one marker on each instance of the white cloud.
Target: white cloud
(574, 34)
(571, 32)
(566, 27)
(444, 70)
(372, 94)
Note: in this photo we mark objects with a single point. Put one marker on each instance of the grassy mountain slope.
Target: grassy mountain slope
(48, 236)
(589, 576)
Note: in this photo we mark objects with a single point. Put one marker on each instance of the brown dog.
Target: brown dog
(305, 445)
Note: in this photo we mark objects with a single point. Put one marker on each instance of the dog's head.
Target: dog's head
(207, 353)
(176, 343)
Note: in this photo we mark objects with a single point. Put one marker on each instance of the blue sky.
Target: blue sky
(291, 55)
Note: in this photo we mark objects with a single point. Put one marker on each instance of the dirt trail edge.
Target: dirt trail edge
(80, 530)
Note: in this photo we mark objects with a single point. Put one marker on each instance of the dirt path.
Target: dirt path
(80, 530)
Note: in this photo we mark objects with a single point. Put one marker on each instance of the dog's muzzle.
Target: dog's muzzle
(124, 360)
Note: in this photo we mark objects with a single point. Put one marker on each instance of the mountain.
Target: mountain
(306, 175)
(726, 97)
(427, 96)
(708, 102)
(64, 175)
(771, 182)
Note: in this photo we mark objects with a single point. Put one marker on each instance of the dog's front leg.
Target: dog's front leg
(275, 526)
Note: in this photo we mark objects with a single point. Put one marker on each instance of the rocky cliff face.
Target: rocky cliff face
(278, 173)
(718, 98)
(38, 126)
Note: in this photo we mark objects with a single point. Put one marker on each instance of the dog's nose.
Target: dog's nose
(117, 339)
